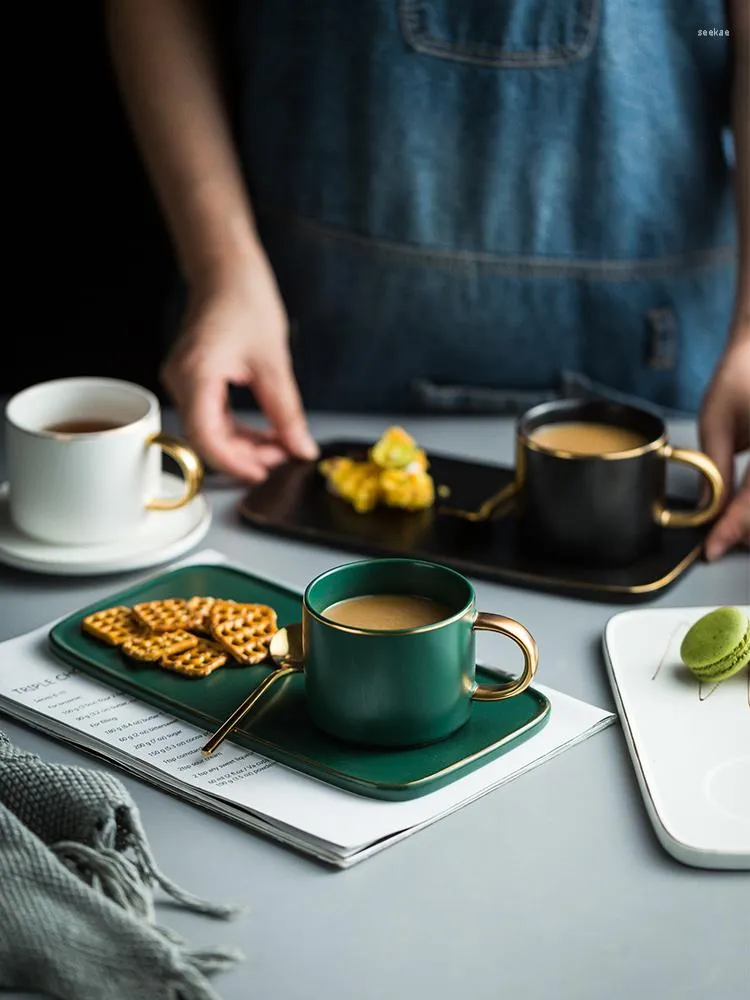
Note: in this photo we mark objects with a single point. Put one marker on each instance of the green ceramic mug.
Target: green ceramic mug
(401, 687)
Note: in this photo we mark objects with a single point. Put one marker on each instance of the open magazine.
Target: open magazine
(335, 826)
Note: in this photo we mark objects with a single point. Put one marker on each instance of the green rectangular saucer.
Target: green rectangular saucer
(279, 728)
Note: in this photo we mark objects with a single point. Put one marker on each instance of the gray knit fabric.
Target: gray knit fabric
(76, 892)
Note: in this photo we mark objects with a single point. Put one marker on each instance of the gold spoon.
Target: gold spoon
(493, 507)
(286, 651)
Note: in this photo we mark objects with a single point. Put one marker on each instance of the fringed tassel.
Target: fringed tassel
(129, 884)
(121, 866)
(110, 873)
(151, 873)
(213, 960)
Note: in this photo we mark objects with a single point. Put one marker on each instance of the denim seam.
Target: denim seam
(625, 269)
(493, 56)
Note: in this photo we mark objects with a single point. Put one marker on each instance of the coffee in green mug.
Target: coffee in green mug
(405, 675)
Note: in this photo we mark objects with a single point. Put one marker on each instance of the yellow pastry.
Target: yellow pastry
(395, 449)
(356, 482)
(407, 489)
(396, 475)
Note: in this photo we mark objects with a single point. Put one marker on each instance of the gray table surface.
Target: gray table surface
(552, 887)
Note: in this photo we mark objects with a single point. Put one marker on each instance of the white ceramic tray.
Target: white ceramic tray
(690, 742)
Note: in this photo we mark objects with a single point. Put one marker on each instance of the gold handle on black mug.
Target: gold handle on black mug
(190, 467)
(486, 622)
(693, 518)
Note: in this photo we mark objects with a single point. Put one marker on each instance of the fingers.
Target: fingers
(717, 443)
(733, 528)
(278, 396)
(236, 335)
(267, 447)
(211, 430)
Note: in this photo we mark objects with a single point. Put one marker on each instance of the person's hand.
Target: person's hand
(724, 430)
(235, 333)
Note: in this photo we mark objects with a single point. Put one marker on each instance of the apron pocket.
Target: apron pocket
(502, 33)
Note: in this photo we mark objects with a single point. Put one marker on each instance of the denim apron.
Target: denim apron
(475, 205)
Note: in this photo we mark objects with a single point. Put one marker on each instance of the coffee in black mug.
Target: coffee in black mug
(591, 478)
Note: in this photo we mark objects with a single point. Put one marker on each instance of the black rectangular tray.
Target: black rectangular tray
(294, 501)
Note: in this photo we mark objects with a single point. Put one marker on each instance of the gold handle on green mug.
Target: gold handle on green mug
(486, 622)
(693, 518)
(190, 467)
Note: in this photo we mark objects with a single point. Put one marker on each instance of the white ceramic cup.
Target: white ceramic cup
(96, 486)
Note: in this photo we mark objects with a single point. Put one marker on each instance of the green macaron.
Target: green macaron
(717, 645)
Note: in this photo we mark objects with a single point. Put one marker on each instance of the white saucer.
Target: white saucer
(163, 536)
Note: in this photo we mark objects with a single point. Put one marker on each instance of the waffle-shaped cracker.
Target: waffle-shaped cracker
(198, 661)
(243, 630)
(199, 609)
(226, 610)
(112, 625)
(166, 615)
(152, 646)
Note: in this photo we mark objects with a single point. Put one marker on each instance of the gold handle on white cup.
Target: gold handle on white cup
(191, 468)
(693, 518)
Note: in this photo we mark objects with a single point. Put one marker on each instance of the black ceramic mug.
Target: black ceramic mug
(591, 479)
